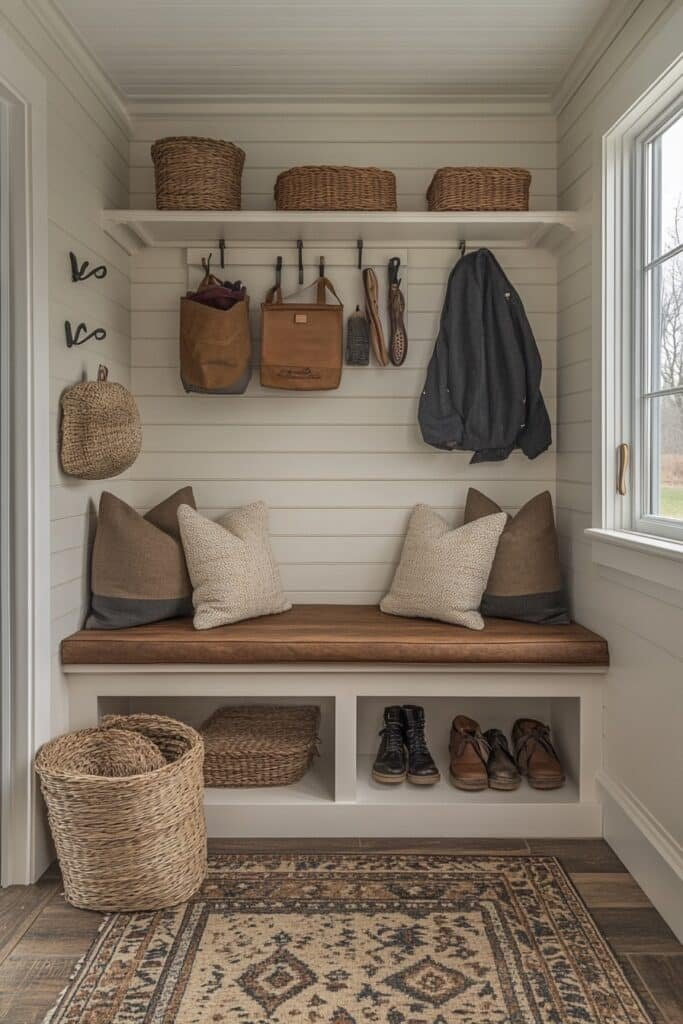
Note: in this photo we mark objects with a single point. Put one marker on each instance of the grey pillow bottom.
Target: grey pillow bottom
(123, 612)
(543, 609)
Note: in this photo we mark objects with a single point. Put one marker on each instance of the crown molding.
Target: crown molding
(609, 26)
(80, 56)
(173, 107)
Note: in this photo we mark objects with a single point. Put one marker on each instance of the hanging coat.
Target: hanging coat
(483, 386)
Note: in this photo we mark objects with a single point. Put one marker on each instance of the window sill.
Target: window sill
(650, 558)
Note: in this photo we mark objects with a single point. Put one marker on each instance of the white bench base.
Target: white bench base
(337, 798)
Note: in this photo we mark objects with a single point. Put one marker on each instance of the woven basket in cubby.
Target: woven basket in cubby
(259, 745)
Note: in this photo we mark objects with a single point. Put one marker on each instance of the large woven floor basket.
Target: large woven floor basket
(259, 745)
(490, 189)
(335, 188)
(125, 806)
(197, 174)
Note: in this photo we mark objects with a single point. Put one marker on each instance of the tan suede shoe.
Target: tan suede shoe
(469, 754)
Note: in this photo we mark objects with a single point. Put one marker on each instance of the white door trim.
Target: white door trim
(26, 691)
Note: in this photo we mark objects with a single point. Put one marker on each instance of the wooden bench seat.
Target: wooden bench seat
(337, 633)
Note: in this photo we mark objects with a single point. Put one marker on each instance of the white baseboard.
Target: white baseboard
(650, 853)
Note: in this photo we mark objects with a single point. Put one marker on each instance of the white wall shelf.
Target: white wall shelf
(136, 229)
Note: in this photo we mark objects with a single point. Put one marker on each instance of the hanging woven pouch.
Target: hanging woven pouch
(101, 434)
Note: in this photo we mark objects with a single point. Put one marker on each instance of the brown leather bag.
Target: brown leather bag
(301, 343)
(215, 345)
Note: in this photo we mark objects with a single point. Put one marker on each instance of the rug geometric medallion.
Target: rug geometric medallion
(358, 939)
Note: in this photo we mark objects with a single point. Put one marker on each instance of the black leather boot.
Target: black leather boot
(421, 768)
(390, 763)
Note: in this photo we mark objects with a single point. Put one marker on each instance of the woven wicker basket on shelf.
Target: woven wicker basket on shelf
(490, 189)
(259, 745)
(191, 173)
(125, 806)
(335, 188)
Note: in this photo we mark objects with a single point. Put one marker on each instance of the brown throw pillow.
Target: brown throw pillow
(526, 577)
(138, 571)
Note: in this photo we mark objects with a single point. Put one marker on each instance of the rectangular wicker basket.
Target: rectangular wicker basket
(489, 189)
(259, 745)
(335, 188)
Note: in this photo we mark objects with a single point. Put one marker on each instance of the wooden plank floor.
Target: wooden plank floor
(42, 937)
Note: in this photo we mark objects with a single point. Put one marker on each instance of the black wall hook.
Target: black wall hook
(321, 267)
(278, 272)
(463, 247)
(359, 246)
(221, 246)
(81, 273)
(300, 247)
(77, 339)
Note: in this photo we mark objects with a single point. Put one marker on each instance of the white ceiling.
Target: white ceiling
(209, 48)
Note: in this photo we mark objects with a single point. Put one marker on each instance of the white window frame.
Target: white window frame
(618, 542)
(643, 521)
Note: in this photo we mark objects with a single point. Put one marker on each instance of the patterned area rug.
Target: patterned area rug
(351, 939)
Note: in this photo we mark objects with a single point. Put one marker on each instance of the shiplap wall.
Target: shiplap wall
(340, 471)
(642, 621)
(87, 169)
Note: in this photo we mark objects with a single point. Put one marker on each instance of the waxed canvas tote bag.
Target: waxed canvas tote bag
(302, 343)
(215, 344)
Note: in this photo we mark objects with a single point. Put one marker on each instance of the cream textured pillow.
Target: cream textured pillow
(443, 573)
(234, 574)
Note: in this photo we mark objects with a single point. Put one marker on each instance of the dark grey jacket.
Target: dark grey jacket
(482, 391)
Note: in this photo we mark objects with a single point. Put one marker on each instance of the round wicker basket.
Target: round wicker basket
(488, 189)
(191, 173)
(335, 188)
(101, 433)
(127, 841)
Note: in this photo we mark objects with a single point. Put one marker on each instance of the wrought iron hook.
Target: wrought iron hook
(99, 334)
(300, 247)
(359, 246)
(81, 273)
(463, 247)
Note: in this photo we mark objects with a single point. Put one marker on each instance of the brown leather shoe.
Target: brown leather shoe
(469, 754)
(501, 768)
(535, 755)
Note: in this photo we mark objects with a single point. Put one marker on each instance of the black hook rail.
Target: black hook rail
(80, 272)
(99, 334)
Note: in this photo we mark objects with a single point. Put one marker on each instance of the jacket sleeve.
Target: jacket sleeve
(535, 435)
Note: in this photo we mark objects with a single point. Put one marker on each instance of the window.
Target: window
(658, 334)
(638, 514)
